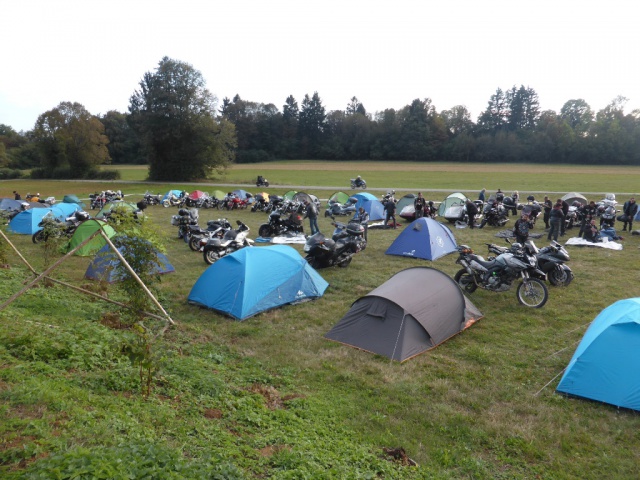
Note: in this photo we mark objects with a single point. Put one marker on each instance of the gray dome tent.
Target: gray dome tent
(412, 312)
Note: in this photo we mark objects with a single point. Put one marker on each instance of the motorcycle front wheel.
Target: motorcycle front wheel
(465, 281)
(557, 276)
(532, 293)
(38, 237)
(312, 261)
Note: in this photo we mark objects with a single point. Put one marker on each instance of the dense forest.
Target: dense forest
(170, 123)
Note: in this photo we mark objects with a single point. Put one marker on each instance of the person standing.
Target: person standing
(521, 228)
(588, 212)
(629, 211)
(499, 196)
(472, 211)
(565, 210)
(16, 195)
(481, 197)
(547, 205)
(418, 204)
(312, 215)
(390, 208)
(556, 219)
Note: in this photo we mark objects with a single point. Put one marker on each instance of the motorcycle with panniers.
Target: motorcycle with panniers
(347, 240)
(500, 273)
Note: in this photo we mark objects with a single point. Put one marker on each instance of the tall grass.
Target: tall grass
(481, 405)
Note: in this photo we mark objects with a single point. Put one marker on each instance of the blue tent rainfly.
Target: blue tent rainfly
(424, 238)
(255, 279)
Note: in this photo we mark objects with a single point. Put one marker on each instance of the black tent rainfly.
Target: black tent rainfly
(412, 312)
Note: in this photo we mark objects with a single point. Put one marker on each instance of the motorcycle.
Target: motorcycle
(551, 260)
(232, 241)
(336, 208)
(499, 274)
(533, 209)
(150, 199)
(198, 236)
(358, 183)
(280, 223)
(52, 227)
(607, 214)
(495, 214)
(262, 182)
(174, 200)
(260, 203)
(275, 202)
(347, 240)
(183, 220)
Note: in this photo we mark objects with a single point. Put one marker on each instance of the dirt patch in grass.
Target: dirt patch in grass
(212, 413)
(271, 450)
(271, 396)
(112, 320)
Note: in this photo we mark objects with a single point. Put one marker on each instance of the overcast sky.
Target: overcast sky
(384, 53)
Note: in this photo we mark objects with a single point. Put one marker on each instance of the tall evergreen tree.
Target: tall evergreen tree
(311, 125)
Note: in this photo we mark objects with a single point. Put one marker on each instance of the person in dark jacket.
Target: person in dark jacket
(547, 205)
(16, 195)
(312, 215)
(521, 228)
(556, 220)
(565, 210)
(499, 196)
(390, 208)
(418, 204)
(591, 233)
(362, 217)
(629, 211)
(472, 211)
(482, 194)
(588, 213)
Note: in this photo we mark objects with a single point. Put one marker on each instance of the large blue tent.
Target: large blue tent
(363, 197)
(10, 204)
(104, 265)
(177, 193)
(424, 238)
(606, 365)
(255, 279)
(375, 209)
(63, 210)
(27, 222)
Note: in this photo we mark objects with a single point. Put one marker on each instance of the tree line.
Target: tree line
(174, 125)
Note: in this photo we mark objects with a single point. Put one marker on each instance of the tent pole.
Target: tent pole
(135, 275)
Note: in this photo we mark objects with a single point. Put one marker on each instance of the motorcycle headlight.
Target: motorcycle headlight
(307, 248)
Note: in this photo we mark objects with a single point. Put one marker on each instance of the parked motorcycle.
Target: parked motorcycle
(52, 227)
(347, 240)
(280, 222)
(232, 241)
(260, 203)
(198, 236)
(551, 260)
(358, 183)
(533, 209)
(494, 214)
(262, 182)
(174, 200)
(150, 199)
(185, 218)
(499, 274)
(572, 217)
(336, 208)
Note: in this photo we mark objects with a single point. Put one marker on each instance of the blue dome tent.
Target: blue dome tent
(375, 209)
(424, 238)
(363, 197)
(252, 280)
(606, 365)
(27, 222)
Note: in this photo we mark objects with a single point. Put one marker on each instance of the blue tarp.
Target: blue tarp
(255, 279)
(103, 266)
(10, 204)
(375, 209)
(424, 238)
(27, 222)
(606, 365)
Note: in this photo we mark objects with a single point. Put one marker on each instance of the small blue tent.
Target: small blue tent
(375, 209)
(9, 204)
(255, 279)
(363, 197)
(27, 222)
(64, 210)
(606, 365)
(242, 194)
(177, 193)
(424, 238)
(103, 266)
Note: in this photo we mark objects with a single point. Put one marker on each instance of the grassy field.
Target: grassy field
(270, 398)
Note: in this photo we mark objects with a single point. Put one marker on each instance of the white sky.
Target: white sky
(384, 53)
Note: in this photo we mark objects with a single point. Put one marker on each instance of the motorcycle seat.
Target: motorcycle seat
(485, 263)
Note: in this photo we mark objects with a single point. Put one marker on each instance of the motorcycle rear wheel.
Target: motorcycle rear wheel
(265, 231)
(39, 236)
(194, 243)
(210, 256)
(345, 263)
(465, 281)
(557, 276)
(532, 293)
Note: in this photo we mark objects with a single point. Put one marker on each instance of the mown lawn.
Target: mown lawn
(270, 398)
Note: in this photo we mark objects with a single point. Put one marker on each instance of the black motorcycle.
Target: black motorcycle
(336, 208)
(494, 214)
(347, 240)
(358, 183)
(260, 204)
(499, 274)
(183, 220)
(51, 227)
(280, 222)
(551, 260)
(262, 182)
(533, 209)
(231, 241)
(150, 199)
(198, 236)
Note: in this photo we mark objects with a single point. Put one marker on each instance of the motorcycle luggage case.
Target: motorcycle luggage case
(355, 229)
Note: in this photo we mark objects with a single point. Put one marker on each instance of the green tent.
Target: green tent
(117, 204)
(339, 197)
(84, 231)
(218, 194)
(290, 194)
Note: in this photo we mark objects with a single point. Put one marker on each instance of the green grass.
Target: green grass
(269, 397)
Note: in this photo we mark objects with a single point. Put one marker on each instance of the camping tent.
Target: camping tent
(218, 194)
(10, 204)
(339, 197)
(375, 209)
(27, 222)
(606, 365)
(84, 231)
(242, 194)
(363, 197)
(71, 198)
(452, 207)
(252, 280)
(424, 238)
(177, 193)
(408, 199)
(104, 265)
(289, 195)
(197, 194)
(575, 197)
(64, 210)
(130, 207)
(414, 311)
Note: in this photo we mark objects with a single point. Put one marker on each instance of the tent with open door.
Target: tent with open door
(424, 238)
(606, 365)
(452, 208)
(412, 312)
(253, 280)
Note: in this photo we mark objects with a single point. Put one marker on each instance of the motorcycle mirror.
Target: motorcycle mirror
(238, 222)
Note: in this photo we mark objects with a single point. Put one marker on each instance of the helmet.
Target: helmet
(38, 194)
(183, 211)
(82, 216)
(531, 198)
(358, 177)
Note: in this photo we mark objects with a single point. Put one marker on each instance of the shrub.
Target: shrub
(10, 173)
